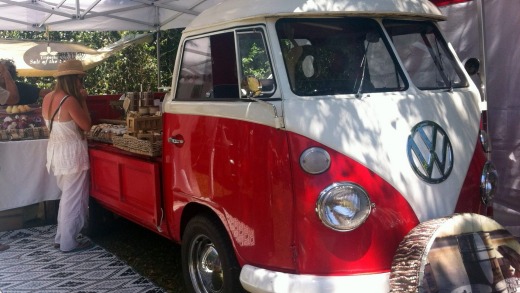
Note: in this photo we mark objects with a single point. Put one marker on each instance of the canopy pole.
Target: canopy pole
(158, 48)
(482, 44)
(158, 45)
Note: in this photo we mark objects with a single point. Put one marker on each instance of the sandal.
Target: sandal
(79, 238)
(81, 247)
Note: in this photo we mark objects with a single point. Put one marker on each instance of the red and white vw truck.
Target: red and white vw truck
(319, 146)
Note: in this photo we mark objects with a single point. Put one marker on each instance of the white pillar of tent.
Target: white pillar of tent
(482, 49)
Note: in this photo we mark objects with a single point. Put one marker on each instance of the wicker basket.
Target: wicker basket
(138, 146)
(107, 139)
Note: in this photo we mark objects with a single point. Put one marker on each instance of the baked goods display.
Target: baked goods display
(105, 131)
(22, 122)
(144, 134)
(15, 109)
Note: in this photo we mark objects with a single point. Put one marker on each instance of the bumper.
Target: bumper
(257, 280)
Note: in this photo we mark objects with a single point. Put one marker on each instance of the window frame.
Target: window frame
(260, 28)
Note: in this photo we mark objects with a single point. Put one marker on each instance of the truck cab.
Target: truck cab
(308, 144)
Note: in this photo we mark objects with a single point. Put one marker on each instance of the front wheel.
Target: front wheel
(208, 260)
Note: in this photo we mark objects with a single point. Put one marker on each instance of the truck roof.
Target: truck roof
(242, 10)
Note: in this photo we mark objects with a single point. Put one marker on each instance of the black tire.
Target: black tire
(209, 264)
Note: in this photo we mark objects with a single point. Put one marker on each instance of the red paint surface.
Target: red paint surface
(469, 199)
(240, 171)
(447, 2)
(249, 176)
(367, 249)
(243, 172)
(128, 185)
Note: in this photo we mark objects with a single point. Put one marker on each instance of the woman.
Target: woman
(66, 115)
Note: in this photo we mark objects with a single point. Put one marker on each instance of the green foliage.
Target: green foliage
(127, 70)
(255, 61)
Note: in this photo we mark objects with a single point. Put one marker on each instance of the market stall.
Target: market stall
(137, 130)
(28, 191)
(25, 185)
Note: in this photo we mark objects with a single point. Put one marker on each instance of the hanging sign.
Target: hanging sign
(41, 58)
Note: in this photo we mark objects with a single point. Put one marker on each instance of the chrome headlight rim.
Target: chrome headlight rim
(488, 183)
(327, 193)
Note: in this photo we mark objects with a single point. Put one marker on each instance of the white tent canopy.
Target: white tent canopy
(99, 15)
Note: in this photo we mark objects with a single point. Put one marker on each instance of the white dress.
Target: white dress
(67, 159)
(67, 151)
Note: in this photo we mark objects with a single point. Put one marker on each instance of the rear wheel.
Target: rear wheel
(208, 260)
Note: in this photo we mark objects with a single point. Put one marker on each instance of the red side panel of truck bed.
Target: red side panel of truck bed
(128, 186)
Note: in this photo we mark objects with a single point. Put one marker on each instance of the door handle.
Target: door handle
(176, 140)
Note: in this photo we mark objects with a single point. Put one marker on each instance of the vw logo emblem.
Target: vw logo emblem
(429, 152)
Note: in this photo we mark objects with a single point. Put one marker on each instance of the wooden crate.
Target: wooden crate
(143, 124)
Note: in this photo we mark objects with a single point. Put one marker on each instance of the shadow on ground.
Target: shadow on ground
(149, 254)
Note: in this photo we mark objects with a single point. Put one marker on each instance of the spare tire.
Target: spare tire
(459, 253)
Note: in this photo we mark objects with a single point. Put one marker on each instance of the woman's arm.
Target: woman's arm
(78, 111)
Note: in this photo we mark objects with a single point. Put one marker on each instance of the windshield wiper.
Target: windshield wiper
(437, 60)
(370, 37)
(363, 67)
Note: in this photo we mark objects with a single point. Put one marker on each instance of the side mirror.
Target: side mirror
(472, 66)
(254, 86)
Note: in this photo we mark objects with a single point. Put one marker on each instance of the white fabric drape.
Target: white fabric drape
(502, 45)
(24, 180)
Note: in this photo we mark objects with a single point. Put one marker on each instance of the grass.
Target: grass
(152, 256)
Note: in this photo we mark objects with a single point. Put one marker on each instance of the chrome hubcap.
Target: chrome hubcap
(205, 267)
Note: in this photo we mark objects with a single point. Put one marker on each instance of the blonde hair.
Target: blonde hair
(67, 83)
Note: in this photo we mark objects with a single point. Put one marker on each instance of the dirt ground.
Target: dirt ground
(149, 254)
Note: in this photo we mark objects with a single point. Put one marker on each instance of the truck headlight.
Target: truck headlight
(488, 182)
(343, 206)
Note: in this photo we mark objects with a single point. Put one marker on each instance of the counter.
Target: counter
(24, 180)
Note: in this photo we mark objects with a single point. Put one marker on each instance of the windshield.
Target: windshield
(425, 55)
(337, 56)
